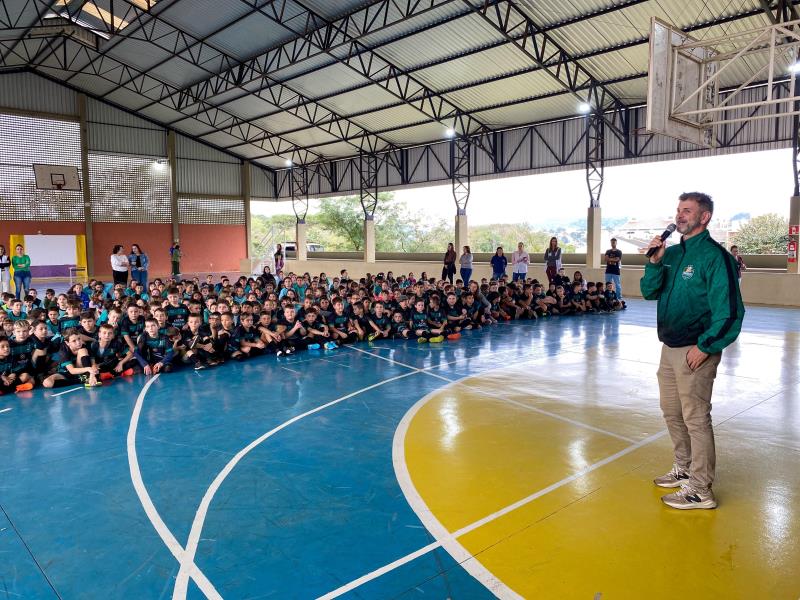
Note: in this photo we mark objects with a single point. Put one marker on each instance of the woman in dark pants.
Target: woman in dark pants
(119, 265)
(552, 259)
(449, 269)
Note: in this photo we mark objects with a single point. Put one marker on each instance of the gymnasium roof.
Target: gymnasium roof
(306, 80)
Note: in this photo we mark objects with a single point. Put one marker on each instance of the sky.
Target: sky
(753, 182)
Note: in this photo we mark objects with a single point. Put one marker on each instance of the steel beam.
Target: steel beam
(538, 45)
(298, 183)
(149, 86)
(595, 156)
(392, 78)
(206, 56)
(315, 36)
(461, 171)
(368, 165)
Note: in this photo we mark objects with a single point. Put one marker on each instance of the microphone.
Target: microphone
(667, 232)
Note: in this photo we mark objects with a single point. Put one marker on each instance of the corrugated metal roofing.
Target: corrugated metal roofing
(455, 54)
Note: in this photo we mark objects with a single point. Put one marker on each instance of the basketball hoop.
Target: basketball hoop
(58, 186)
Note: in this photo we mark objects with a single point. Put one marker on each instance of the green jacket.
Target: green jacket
(698, 295)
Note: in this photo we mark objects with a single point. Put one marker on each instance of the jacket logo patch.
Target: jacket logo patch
(688, 272)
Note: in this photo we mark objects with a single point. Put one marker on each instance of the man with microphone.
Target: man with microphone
(700, 312)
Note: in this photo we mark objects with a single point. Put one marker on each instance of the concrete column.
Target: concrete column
(248, 225)
(300, 241)
(462, 232)
(593, 230)
(794, 219)
(369, 240)
(172, 158)
(86, 186)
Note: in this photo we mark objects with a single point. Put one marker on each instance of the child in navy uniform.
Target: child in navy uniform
(110, 355)
(73, 364)
(11, 380)
(380, 324)
(154, 352)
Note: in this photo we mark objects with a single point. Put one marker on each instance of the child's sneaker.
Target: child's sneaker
(128, 372)
(331, 345)
(372, 337)
(436, 339)
(289, 350)
(422, 340)
(280, 353)
(454, 336)
(313, 346)
(24, 387)
(106, 376)
(199, 366)
(89, 384)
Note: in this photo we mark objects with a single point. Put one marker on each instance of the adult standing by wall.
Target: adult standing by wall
(279, 258)
(700, 312)
(520, 260)
(5, 270)
(22, 271)
(499, 263)
(449, 269)
(740, 266)
(613, 258)
(175, 259)
(466, 265)
(552, 259)
(119, 265)
(139, 263)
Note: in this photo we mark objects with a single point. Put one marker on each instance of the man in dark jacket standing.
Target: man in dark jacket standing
(700, 312)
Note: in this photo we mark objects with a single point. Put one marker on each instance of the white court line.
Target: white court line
(447, 540)
(5, 410)
(149, 508)
(66, 392)
(502, 398)
(188, 568)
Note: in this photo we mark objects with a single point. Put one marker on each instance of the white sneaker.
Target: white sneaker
(688, 498)
(673, 479)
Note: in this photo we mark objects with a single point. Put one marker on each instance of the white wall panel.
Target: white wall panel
(208, 178)
(29, 92)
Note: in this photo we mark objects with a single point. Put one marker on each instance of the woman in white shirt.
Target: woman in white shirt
(5, 274)
(119, 265)
(520, 260)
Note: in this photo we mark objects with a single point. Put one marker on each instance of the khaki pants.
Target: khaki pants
(686, 404)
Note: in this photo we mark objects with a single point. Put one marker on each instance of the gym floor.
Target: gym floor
(515, 462)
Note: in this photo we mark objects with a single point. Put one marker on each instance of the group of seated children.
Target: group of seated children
(91, 335)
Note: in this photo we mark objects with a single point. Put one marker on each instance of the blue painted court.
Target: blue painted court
(274, 478)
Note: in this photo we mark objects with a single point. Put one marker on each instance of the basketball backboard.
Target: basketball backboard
(57, 177)
(675, 74)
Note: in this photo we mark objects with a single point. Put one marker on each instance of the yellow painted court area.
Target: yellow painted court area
(487, 442)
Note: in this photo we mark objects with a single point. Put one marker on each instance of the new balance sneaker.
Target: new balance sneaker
(673, 479)
(688, 498)
(313, 346)
(331, 346)
(437, 339)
